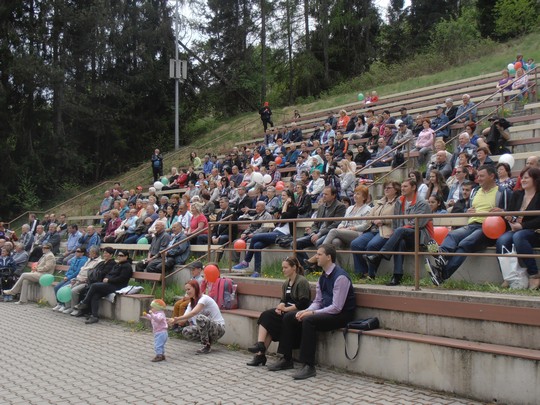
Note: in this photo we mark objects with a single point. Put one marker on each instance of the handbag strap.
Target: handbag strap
(345, 331)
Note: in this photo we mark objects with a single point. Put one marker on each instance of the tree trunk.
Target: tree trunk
(289, 48)
(263, 50)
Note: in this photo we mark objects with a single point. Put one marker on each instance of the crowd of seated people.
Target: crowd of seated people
(324, 170)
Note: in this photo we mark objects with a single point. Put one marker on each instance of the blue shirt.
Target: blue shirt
(73, 241)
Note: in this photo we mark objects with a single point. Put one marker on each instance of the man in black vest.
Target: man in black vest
(332, 308)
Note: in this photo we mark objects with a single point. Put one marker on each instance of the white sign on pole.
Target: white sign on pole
(178, 69)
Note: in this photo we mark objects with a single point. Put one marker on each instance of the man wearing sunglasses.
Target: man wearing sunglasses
(116, 279)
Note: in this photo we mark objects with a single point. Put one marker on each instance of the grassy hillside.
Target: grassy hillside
(412, 75)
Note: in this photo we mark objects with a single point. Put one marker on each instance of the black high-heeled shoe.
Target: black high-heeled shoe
(258, 347)
(258, 359)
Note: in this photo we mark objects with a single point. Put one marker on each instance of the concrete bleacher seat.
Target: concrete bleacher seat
(463, 343)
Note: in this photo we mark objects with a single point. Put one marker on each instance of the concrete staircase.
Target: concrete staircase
(481, 346)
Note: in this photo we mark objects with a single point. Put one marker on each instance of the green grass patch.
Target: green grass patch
(274, 271)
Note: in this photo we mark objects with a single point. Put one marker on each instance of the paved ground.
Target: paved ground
(57, 359)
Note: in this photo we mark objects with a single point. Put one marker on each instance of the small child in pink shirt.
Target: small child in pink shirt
(159, 326)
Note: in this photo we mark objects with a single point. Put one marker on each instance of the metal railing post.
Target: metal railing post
(163, 256)
(416, 256)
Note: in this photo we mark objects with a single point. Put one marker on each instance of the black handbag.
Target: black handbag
(359, 325)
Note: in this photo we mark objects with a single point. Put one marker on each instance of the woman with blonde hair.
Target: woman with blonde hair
(198, 223)
(343, 120)
(379, 231)
(348, 179)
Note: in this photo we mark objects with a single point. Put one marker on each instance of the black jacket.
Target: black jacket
(120, 274)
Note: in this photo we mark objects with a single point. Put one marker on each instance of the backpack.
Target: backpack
(223, 291)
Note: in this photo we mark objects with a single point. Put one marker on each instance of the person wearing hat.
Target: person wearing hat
(439, 121)
(116, 279)
(406, 118)
(159, 327)
(180, 306)
(45, 265)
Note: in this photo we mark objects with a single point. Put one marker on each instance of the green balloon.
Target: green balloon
(360, 96)
(512, 72)
(64, 294)
(165, 181)
(142, 241)
(46, 280)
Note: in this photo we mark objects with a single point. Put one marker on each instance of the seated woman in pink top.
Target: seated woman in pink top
(424, 142)
(198, 222)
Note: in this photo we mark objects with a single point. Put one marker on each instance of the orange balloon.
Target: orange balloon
(279, 160)
(518, 65)
(494, 227)
(280, 186)
(239, 245)
(439, 233)
(211, 273)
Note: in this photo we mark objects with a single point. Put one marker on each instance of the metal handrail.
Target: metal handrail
(416, 253)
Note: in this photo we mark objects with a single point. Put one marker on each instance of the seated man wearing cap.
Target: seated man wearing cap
(45, 265)
(406, 118)
(439, 121)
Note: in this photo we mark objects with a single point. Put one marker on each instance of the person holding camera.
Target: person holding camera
(497, 135)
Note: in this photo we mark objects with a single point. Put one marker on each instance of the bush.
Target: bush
(515, 17)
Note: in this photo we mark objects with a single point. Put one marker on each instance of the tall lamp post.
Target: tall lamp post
(178, 72)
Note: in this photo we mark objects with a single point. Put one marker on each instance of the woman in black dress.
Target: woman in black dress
(295, 297)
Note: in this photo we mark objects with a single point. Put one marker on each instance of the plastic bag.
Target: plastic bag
(512, 272)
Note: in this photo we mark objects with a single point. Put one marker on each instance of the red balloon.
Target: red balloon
(494, 227)
(211, 273)
(518, 65)
(239, 245)
(279, 160)
(439, 233)
(280, 186)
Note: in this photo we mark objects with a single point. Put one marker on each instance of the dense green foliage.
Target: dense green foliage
(85, 92)
(81, 83)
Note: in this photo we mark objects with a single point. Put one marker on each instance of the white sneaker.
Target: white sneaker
(68, 311)
(57, 307)
(61, 309)
(75, 312)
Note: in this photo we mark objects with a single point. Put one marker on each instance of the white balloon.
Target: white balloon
(397, 123)
(507, 158)
(267, 179)
(510, 66)
(257, 177)
(158, 185)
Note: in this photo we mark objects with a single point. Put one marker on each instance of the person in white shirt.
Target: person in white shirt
(202, 318)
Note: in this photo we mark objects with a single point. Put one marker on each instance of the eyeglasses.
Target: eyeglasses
(389, 188)
(79, 251)
(121, 255)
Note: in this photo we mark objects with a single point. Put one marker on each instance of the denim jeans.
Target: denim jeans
(401, 240)
(160, 339)
(305, 242)
(524, 241)
(468, 239)
(260, 241)
(368, 241)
